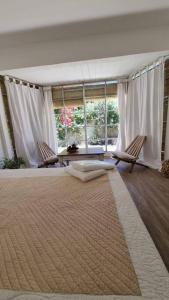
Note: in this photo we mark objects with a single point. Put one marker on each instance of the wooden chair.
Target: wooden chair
(48, 155)
(131, 154)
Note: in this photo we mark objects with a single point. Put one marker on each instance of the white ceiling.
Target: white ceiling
(85, 70)
(39, 32)
(19, 15)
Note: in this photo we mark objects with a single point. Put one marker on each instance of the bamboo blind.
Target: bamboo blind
(73, 95)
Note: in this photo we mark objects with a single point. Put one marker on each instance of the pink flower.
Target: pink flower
(66, 116)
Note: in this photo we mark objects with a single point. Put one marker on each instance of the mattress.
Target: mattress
(145, 268)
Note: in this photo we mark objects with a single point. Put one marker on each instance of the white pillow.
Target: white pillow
(84, 176)
(91, 165)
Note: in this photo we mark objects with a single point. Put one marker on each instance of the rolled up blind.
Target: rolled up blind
(73, 95)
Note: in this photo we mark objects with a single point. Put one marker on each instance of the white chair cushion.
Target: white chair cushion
(84, 176)
(90, 165)
(124, 155)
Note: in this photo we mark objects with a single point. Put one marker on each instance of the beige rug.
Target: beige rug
(58, 235)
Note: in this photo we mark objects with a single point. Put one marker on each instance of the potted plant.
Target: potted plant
(13, 163)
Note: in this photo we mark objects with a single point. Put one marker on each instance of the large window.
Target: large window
(87, 115)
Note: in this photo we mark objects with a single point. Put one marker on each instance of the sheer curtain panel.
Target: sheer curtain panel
(144, 112)
(50, 132)
(122, 97)
(26, 109)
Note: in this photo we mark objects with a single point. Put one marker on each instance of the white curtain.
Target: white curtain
(121, 95)
(29, 115)
(144, 112)
(166, 154)
(50, 125)
(6, 150)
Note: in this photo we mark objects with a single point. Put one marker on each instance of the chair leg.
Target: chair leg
(116, 163)
(67, 162)
(139, 164)
(132, 166)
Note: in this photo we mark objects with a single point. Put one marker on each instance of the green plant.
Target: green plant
(14, 163)
(112, 114)
(78, 116)
(71, 120)
(96, 112)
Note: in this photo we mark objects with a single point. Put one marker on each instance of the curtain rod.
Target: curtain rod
(142, 71)
(149, 67)
(21, 80)
(78, 83)
(64, 84)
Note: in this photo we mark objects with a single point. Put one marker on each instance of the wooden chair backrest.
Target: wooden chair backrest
(135, 147)
(46, 151)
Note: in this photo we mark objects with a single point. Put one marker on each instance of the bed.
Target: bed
(64, 239)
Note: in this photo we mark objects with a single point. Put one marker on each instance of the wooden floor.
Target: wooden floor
(150, 192)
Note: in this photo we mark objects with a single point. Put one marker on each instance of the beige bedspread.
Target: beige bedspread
(59, 235)
(151, 273)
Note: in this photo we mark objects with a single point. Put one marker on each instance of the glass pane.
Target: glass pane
(112, 117)
(96, 136)
(93, 105)
(61, 138)
(78, 116)
(61, 132)
(112, 134)
(111, 102)
(70, 126)
(58, 110)
(95, 90)
(95, 112)
(73, 96)
(96, 119)
(76, 135)
(111, 89)
(112, 112)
